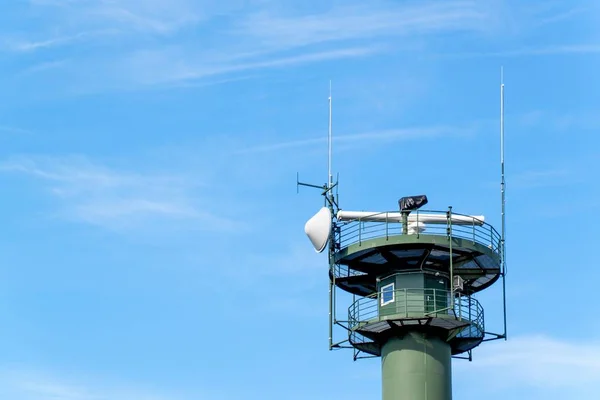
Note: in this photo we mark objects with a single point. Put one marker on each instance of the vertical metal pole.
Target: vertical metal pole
(337, 190)
(359, 232)
(332, 246)
(449, 215)
(378, 304)
(502, 182)
(503, 197)
(334, 317)
(331, 306)
(330, 177)
(386, 227)
(470, 317)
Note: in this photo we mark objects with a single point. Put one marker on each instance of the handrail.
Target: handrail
(357, 231)
(417, 303)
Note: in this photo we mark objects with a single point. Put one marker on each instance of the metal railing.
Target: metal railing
(357, 231)
(343, 271)
(417, 303)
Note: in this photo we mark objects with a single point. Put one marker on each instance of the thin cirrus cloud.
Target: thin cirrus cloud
(531, 179)
(32, 45)
(258, 35)
(187, 68)
(384, 136)
(13, 130)
(265, 23)
(127, 16)
(564, 49)
(82, 22)
(118, 200)
(33, 384)
(359, 22)
(537, 362)
(261, 37)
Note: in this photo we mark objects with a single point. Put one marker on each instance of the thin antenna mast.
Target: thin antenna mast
(330, 177)
(327, 188)
(502, 182)
(503, 195)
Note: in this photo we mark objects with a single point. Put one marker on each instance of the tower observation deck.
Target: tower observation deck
(402, 276)
(413, 277)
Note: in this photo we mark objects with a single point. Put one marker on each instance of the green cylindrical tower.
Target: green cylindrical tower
(416, 367)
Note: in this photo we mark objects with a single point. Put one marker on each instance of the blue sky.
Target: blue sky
(152, 245)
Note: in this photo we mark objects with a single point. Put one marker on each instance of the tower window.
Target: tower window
(387, 294)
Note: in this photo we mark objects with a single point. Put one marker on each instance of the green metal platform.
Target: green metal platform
(367, 250)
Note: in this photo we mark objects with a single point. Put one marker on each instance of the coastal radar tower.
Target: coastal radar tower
(413, 276)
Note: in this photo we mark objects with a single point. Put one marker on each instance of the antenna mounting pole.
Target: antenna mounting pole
(503, 196)
(502, 181)
(330, 177)
(330, 198)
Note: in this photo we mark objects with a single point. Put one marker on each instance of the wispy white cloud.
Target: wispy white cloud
(19, 384)
(72, 22)
(162, 42)
(113, 199)
(296, 260)
(372, 138)
(537, 362)
(557, 49)
(42, 67)
(150, 16)
(575, 122)
(541, 178)
(154, 46)
(294, 263)
(530, 118)
(24, 45)
(13, 130)
(266, 39)
(175, 66)
(562, 15)
(359, 21)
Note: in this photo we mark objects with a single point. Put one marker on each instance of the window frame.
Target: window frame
(383, 288)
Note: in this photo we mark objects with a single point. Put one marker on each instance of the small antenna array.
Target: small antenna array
(318, 228)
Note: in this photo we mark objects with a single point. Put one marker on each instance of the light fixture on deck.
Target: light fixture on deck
(458, 283)
(410, 203)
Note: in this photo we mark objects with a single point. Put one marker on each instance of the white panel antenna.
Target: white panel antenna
(318, 229)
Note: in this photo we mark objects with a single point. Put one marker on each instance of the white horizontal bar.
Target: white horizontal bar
(369, 216)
